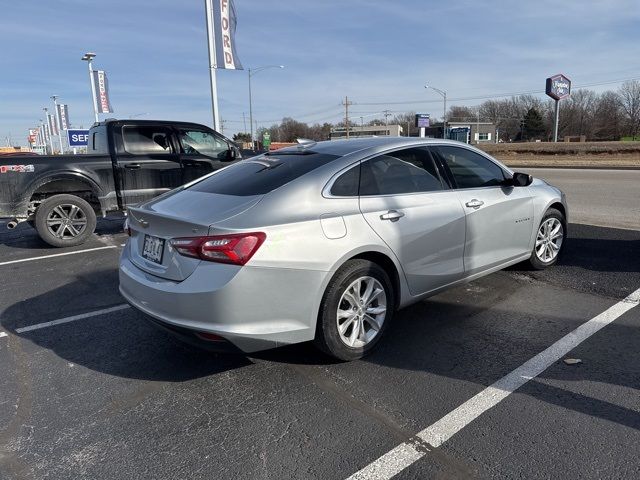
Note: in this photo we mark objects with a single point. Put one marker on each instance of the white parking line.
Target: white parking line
(56, 255)
(38, 326)
(405, 454)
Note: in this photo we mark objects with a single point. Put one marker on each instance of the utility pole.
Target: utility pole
(386, 114)
(346, 104)
(478, 127)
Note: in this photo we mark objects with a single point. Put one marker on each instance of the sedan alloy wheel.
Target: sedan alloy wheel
(549, 240)
(361, 312)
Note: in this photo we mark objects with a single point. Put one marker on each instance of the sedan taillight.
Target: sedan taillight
(236, 248)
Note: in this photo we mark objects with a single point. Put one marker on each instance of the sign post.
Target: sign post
(558, 87)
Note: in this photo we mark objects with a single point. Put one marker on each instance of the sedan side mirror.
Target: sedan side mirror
(521, 179)
(231, 154)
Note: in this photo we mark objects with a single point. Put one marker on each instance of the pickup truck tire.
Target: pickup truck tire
(65, 220)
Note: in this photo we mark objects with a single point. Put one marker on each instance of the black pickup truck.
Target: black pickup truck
(127, 162)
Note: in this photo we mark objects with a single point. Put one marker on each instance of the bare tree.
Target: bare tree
(608, 118)
(629, 94)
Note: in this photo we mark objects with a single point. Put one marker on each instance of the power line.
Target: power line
(336, 110)
(495, 95)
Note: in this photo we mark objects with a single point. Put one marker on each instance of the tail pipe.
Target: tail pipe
(11, 224)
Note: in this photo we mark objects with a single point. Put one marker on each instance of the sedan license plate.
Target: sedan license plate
(153, 248)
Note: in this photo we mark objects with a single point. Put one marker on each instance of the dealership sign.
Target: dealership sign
(422, 120)
(558, 87)
(78, 138)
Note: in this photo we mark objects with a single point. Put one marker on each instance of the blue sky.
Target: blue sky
(374, 51)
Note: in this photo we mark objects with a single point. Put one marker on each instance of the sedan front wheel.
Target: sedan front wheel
(549, 240)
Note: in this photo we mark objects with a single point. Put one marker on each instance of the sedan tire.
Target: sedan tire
(549, 240)
(356, 308)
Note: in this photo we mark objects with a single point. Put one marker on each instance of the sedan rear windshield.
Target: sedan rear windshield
(261, 175)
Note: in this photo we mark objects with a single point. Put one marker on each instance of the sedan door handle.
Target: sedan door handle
(474, 203)
(132, 166)
(392, 215)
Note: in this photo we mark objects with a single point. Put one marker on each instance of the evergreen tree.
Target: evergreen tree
(534, 128)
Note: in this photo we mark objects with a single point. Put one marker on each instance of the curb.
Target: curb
(577, 167)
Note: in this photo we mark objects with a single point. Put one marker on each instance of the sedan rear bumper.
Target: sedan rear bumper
(254, 308)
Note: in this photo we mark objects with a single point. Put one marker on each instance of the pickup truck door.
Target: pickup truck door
(201, 152)
(149, 165)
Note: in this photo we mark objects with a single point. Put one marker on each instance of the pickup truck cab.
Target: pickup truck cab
(127, 162)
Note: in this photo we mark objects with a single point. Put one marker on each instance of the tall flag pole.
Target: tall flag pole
(221, 28)
(42, 139)
(88, 57)
(212, 63)
(58, 123)
(47, 130)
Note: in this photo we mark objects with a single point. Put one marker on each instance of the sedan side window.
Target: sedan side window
(469, 169)
(346, 185)
(410, 170)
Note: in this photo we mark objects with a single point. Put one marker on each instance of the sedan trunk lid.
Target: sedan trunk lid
(189, 214)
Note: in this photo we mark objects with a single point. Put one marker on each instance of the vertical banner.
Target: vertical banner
(47, 132)
(53, 127)
(63, 116)
(33, 135)
(103, 105)
(224, 31)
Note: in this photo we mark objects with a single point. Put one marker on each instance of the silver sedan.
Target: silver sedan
(325, 241)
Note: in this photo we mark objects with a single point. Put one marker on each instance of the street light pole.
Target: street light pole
(444, 112)
(88, 57)
(56, 118)
(252, 72)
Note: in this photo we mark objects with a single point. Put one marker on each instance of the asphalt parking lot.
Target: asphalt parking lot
(452, 392)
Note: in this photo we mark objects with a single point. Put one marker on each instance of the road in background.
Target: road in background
(607, 198)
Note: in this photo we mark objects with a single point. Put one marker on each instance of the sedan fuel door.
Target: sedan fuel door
(409, 206)
(499, 216)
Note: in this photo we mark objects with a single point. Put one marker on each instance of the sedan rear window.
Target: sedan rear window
(261, 175)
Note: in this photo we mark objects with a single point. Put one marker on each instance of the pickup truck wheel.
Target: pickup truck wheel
(65, 220)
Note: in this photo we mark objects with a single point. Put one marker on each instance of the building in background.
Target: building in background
(366, 131)
(473, 132)
(5, 150)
